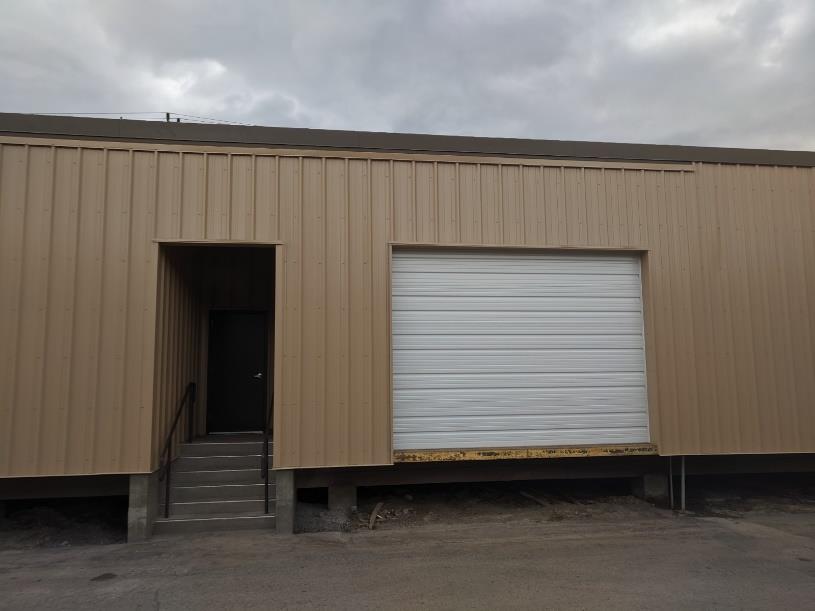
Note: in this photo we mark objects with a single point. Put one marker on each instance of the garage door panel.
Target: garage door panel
(542, 360)
(581, 421)
(521, 285)
(498, 261)
(537, 323)
(520, 439)
(485, 380)
(596, 302)
(497, 349)
(519, 340)
(452, 402)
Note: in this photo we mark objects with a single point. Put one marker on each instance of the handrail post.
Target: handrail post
(191, 412)
(167, 479)
(265, 464)
(189, 395)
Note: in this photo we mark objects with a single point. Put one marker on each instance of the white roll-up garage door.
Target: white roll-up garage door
(506, 349)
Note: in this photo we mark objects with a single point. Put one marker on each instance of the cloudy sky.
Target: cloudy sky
(730, 73)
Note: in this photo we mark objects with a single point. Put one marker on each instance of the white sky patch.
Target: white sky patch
(178, 80)
(685, 22)
(788, 26)
(207, 87)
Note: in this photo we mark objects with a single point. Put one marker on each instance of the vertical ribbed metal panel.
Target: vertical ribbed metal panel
(728, 281)
(495, 349)
(78, 313)
(179, 302)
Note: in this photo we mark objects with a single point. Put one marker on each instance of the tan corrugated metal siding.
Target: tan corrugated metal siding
(729, 287)
(77, 284)
(178, 338)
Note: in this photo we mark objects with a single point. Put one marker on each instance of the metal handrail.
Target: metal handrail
(264, 461)
(188, 398)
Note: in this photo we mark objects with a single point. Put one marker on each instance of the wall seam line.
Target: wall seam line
(18, 314)
(46, 309)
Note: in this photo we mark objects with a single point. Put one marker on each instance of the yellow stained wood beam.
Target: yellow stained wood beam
(643, 449)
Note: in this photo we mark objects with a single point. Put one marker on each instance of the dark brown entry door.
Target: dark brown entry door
(236, 380)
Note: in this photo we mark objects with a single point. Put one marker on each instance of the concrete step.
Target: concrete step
(176, 525)
(216, 463)
(235, 448)
(219, 492)
(231, 437)
(218, 508)
(219, 476)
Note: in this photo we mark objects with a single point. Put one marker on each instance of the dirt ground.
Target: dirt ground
(497, 502)
(555, 501)
(63, 522)
(103, 521)
(744, 545)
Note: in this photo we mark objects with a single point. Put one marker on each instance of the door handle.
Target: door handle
(258, 376)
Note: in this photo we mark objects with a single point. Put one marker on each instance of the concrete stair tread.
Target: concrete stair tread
(229, 438)
(245, 513)
(218, 507)
(192, 478)
(242, 471)
(216, 484)
(246, 448)
(215, 487)
(210, 523)
(181, 504)
(214, 456)
(215, 516)
(238, 471)
(217, 492)
(217, 463)
(195, 444)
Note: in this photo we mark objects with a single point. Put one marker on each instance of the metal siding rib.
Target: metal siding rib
(806, 194)
(424, 192)
(381, 227)
(534, 231)
(288, 446)
(744, 342)
(110, 310)
(47, 263)
(33, 299)
(266, 200)
(193, 201)
(16, 162)
(402, 204)
(697, 336)
(469, 205)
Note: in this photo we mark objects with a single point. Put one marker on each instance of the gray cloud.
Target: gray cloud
(731, 73)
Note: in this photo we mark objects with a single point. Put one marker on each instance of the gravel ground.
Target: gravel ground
(637, 557)
(745, 543)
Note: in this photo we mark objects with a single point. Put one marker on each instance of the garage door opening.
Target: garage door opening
(499, 349)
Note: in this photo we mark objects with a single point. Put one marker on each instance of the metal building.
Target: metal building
(390, 299)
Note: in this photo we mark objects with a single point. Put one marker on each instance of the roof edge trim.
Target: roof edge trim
(87, 128)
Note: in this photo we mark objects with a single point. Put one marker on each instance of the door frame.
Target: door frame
(646, 272)
(268, 316)
(153, 387)
(274, 328)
